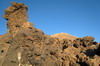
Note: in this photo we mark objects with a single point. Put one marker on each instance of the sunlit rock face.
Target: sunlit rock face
(64, 36)
(16, 15)
(25, 45)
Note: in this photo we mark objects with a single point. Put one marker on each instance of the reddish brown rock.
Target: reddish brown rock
(24, 45)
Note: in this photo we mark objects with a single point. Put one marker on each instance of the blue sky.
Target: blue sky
(76, 17)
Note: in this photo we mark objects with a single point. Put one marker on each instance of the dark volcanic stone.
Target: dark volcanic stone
(24, 45)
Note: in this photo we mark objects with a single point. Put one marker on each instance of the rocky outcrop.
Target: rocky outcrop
(24, 45)
(17, 17)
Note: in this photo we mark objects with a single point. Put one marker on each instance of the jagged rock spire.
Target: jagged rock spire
(16, 15)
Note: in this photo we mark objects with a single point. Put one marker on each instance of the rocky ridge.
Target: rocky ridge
(25, 45)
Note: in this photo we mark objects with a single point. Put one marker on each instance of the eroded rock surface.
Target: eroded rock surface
(24, 45)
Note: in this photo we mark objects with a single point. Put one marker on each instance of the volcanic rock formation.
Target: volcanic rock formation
(24, 45)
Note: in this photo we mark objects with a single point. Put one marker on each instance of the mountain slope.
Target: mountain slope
(25, 45)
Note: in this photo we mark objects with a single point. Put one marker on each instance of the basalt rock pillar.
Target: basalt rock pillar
(16, 15)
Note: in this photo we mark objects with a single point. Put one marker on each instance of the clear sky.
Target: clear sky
(76, 17)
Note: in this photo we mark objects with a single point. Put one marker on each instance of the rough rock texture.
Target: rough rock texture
(24, 45)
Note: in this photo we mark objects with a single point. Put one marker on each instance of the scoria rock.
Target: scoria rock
(25, 45)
